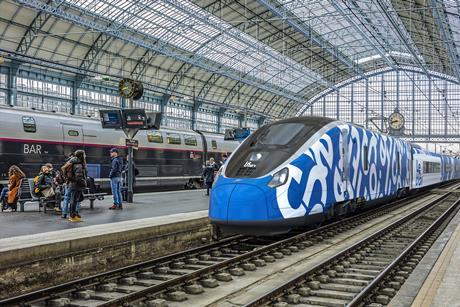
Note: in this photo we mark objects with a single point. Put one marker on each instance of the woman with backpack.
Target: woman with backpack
(15, 175)
(75, 172)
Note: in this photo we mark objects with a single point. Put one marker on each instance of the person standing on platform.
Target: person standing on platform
(76, 170)
(116, 169)
(208, 174)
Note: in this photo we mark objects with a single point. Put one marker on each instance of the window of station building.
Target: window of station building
(73, 133)
(190, 140)
(2, 81)
(431, 167)
(29, 124)
(173, 138)
(366, 158)
(2, 97)
(154, 137)
(214, 144)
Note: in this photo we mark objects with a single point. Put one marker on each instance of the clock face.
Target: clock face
(396, 121)
(126, 88)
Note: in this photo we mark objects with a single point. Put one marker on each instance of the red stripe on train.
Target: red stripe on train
(94, 145)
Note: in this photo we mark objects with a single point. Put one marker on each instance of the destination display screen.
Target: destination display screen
(134, 118)
(111, 119)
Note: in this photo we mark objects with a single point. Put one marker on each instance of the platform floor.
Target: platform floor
(145, 205)
(434, 282)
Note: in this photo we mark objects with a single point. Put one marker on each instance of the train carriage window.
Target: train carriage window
(173, 138)
(214, 144)
(190, 140)
(29, 124)
(73, 133)
(397, 161)
(154, 137)
(448, 167)
(431, 167)
(366, 158)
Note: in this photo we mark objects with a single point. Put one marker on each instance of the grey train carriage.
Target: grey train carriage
(166, 157)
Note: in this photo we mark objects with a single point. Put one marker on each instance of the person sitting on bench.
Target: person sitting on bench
(15, 175)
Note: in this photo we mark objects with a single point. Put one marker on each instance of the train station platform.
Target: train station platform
(435, 280)
(145, 205)
(38, 250)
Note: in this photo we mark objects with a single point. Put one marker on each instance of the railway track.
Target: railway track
(371, 271)
(174, 277)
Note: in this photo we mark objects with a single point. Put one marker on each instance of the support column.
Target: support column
(446, 108)
(163, 104)
(11, 97)
(413, 104)
(367, 104)
(382, 97)
(196, 105)
(429, 106)
(220, 115)
(397, 89)
(338, 105)
(75, 109)
(260, 121)
(352, 96)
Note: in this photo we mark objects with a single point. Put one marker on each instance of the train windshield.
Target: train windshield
(280, 134)
(271, 145)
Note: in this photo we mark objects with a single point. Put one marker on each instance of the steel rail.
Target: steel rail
(374, 283)
(86, 282)
(168, 285)
(326, 263)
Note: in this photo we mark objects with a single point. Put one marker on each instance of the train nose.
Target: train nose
(238, 202)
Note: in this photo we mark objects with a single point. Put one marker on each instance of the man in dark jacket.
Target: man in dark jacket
(116, 169)
(208, 174)
(76, 182)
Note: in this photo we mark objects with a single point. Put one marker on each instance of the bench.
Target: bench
(27, 194)
(93, 197)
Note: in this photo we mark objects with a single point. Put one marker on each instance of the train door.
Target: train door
(72, 137)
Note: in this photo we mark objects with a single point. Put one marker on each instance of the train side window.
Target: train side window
(73, 133)
(173, 138)
(29, 124)
(366, 158)
(397, 161)
(154, 137)
(190, 140)
(214, 144)
(431, 167)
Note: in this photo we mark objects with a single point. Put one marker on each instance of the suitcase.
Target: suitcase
(124, 193)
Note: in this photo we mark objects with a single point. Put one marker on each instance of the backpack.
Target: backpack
(36, 182)
(67, 171)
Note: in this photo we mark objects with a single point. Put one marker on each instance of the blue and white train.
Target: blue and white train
(305, 170)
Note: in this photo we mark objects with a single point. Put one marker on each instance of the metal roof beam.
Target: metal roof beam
(280, 11)
(386, 13)
(439, 13)
(360, 29)
(158, 46)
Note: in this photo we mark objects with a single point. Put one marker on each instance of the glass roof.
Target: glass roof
(453, 13)
(334, 27)
(187, 26)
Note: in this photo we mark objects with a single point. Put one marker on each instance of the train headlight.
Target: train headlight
(279, 178)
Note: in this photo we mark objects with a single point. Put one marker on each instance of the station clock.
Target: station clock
(128, 88)
(396, 121)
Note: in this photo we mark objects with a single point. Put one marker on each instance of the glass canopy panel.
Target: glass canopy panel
(453, 13)
(187, 26)
(334, 27)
